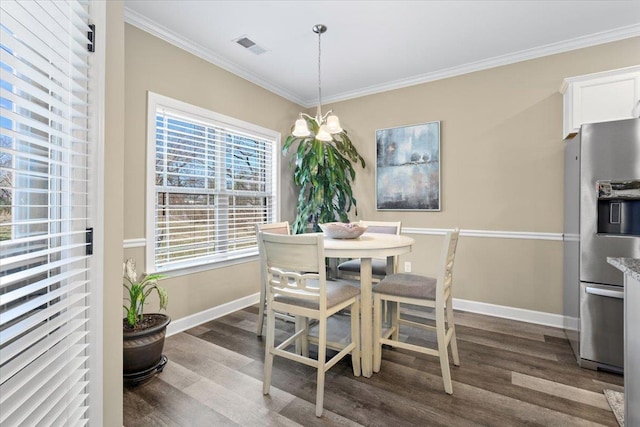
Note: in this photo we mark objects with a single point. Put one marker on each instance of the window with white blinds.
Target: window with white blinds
(212, 177)
(44, 280)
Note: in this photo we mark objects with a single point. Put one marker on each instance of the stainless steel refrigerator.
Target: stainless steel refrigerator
(601, 219)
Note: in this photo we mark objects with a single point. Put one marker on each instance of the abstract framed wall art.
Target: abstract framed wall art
(408, 168)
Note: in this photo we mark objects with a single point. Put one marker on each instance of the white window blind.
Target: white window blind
(214, 178)
(44, 286)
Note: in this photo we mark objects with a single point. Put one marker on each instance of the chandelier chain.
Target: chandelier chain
(319, 71)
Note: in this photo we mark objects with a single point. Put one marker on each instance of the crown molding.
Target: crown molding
(157, 30)
(497, 61)
(153, 28)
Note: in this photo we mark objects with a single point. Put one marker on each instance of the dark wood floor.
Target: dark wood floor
(511, 374)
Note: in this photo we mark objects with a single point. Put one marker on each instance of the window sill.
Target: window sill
(214, 265)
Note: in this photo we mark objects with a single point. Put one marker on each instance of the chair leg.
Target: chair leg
(268, 355)
(394, 315)
(355, 338)
(377, 331)
(443, 351)
(451, 325)
(322, 362)
(304, 338)
(260, 325)
(300, 345)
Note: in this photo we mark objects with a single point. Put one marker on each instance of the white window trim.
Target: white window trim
(155, 101)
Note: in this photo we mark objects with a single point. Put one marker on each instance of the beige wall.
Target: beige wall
(502, 169)
(501, 163)
(154, 65)
(113, 215)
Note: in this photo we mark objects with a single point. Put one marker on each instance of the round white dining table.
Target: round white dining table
(366, 247)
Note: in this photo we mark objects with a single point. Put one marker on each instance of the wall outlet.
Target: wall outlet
(407, 267)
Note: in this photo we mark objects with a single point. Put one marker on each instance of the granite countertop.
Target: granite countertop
(629, 266)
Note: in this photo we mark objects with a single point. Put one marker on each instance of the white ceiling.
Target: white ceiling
(373, 46)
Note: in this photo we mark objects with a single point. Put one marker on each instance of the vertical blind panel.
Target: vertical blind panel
(44, 152)
(213, 184)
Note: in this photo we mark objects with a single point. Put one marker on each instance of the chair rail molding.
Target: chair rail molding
(135, 243)
(496, 234)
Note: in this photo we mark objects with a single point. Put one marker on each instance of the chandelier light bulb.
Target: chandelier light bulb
(323, 134)
(333, 124)
(301, 129)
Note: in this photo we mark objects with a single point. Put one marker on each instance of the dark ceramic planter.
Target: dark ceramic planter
(142, 350)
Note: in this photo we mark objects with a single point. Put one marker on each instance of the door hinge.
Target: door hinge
(89, 241)
(91, 35)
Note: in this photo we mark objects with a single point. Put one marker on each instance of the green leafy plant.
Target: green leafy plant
(324, 173)
(139, 289)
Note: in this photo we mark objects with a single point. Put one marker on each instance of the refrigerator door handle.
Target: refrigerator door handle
(604, 292)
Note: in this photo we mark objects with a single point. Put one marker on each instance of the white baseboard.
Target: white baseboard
(196, 319)
(513, 313)
(519, 314)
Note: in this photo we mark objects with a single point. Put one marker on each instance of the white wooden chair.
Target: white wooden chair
(423, 291)
(273, 228)
(306, 295)
(351, 268)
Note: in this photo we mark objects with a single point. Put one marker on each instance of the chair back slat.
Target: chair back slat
(383, 227)
(295, 285)
(274, 228)
(294, 265)
(447, 259)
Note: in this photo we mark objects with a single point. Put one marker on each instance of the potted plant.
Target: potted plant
(143, 334)
(323, 172)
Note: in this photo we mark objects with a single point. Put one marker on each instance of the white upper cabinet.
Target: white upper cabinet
(600, 97)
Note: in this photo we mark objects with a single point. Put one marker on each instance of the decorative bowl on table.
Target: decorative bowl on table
(343, 230)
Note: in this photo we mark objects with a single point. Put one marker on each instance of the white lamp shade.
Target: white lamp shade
(301, 129)
(333, 124)
(323, 134)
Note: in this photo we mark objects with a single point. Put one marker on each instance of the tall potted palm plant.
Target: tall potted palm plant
(324, 173)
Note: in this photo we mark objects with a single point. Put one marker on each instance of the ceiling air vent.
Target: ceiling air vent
(250, 45)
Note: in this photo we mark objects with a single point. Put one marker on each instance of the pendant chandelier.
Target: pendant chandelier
(328, 124)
